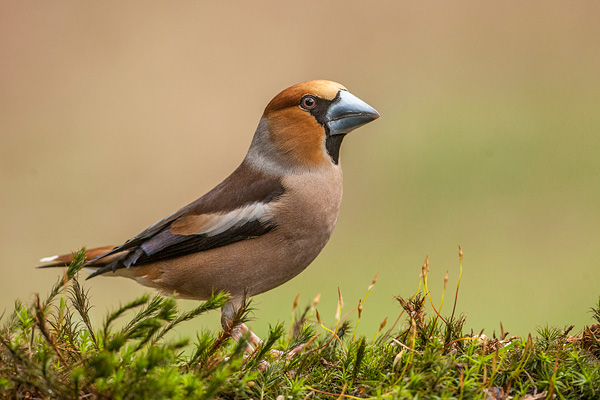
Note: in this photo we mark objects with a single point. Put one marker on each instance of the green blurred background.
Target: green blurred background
(114, 114)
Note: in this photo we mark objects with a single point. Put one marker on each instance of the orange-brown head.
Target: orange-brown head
(303, 126)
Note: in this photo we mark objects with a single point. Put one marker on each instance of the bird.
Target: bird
(262, 225)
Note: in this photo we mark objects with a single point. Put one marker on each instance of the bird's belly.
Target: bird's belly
(250, 267)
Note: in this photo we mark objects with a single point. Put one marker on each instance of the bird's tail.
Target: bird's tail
(66, 259)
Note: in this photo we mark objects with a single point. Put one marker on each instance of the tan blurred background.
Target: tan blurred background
(114, 114)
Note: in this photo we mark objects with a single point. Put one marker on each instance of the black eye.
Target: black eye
(308, 102)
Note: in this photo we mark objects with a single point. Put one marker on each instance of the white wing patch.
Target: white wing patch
(214, 224)
(223, 222)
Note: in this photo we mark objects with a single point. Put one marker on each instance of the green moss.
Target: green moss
(51, 350)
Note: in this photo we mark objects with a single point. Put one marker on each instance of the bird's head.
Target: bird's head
(303, 126)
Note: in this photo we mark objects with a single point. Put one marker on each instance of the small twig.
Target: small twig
(460, 258)
(41, 323)
(405, 346)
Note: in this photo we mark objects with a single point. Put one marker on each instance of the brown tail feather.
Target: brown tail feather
(65, 259)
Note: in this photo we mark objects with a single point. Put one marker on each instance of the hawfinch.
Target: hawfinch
(264, 223)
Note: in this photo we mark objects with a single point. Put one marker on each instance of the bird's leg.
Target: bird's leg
(230, 313)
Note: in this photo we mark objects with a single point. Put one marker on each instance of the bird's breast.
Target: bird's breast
(309, 207)
(305, 216)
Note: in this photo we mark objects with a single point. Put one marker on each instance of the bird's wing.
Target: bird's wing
(237, 209)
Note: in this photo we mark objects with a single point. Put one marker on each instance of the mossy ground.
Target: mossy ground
(51, 350)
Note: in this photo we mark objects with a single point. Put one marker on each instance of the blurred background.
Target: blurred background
(115, 114)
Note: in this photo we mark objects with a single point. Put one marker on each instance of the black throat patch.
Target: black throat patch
(332, 142)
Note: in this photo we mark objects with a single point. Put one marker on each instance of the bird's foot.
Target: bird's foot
(254, 342)
(280, 353)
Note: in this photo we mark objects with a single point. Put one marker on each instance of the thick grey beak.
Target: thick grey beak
(347, 113)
